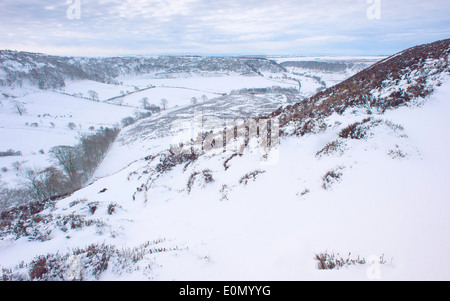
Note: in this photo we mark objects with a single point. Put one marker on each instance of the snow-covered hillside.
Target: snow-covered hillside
(33, 124)
(51, 72)
(358, 173)
(324, 72)
(61, 97)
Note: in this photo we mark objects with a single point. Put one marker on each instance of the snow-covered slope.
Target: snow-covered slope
(48, 119)
(61, 96)
(22, 72)
(390, 83)
(325, 72)
(45, 72)
(360, 168)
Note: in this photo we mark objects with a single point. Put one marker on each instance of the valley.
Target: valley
(289, 165)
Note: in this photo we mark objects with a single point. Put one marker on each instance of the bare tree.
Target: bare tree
(94, 148)
(71, 125)
(194, 100)
(10, 197)
(19, 107)
(68, 158)
(144, 103)
(16, 165)
(44, 184)
(93, 95)
(164, 103)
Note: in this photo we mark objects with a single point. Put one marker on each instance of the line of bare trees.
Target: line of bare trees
(79, 162)
(75, 166)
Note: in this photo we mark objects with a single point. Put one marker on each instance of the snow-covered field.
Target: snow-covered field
(390, 202)
(180, 91)
(49, 119)
(47, 115)
(317, 75)
(150, 214)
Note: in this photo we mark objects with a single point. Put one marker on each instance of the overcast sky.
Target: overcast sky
(221, 27)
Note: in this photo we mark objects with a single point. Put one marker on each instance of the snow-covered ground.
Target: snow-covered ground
(316, 76)
(45, 121)
(389, 200)
(49, 119)
(148, 214)
(179, 91)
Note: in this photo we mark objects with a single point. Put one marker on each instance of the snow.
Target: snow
(267, 229)
(281, 59)
(104, 91)
(266, 232)
(44, 125)
(216, 84)
(313, 80)
(178, 91)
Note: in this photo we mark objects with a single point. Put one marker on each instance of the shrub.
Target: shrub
(354, 131)
(127, 121)
(334, 147)
(83, 264)
(168, 161)
(396, 153)
(10, 153)
(153, 108)
(38, 268)
(225, 164)
(111, 208)
(304, 192)
(93, 207)
(141, 115)
(332, 261)
(251, 175)
(206, 177)
(73, 221)
(224, 193)
(395, 127)
(331, 177)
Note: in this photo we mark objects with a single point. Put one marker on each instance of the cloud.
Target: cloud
(221, 27)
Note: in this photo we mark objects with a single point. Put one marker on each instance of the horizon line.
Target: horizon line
(181, 54)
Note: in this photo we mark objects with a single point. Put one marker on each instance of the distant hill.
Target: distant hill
(50, 72)
(387, 84)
